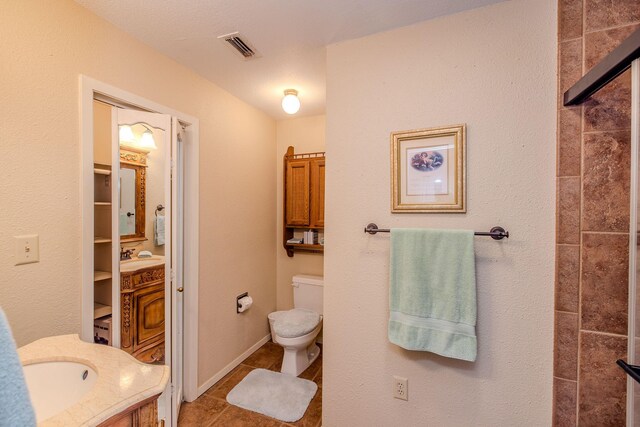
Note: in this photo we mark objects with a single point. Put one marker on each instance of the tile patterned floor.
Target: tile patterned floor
(212, 409)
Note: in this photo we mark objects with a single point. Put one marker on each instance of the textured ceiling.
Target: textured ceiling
(291, 36)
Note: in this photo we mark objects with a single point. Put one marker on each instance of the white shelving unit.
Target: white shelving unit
(102, 250)
(101, 275)
(101, 310)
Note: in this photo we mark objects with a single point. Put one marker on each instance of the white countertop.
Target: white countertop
(122, 380)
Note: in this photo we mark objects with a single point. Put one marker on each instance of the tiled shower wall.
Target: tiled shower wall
(592, 219)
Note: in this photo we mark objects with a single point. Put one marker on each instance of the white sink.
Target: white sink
(55, 386)
(138, 263)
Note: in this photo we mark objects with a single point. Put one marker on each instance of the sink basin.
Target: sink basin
(55, 386)
(138, 263)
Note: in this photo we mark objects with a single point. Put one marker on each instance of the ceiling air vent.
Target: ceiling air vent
(239, 45)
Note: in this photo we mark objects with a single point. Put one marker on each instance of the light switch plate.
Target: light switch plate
(26, 249)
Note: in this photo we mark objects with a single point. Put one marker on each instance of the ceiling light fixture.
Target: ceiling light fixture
(290, 102)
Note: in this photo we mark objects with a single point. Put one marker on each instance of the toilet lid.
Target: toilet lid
(295, 323)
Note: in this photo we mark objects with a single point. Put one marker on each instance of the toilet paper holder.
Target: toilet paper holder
(238, 298)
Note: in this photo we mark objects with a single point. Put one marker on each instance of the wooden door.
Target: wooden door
(297, 193)
(317, 193)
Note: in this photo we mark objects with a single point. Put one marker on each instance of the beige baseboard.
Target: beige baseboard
(224, 371)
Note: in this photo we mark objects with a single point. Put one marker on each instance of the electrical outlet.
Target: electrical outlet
(400, 388)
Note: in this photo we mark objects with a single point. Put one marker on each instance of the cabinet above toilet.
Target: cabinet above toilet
(303, 198)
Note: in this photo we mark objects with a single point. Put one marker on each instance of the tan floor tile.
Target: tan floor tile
(266, 356)
(311, 372)
(318, 378)
(220, 389)
(211, 409)
(200, 413)
(238, 417)
(313, 414)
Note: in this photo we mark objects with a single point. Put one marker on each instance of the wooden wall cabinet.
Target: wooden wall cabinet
(142, 311)
(303, 197)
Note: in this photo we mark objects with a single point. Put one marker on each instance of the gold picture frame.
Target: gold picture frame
(428, 170)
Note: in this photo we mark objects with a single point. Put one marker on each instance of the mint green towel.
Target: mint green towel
(432, 295)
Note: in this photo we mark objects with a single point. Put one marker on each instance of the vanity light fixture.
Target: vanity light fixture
(126, 134)
(147, 140)
(290, 102)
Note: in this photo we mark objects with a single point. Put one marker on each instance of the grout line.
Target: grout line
(609, 334)
(615, 27)
(219, 415)
(564, 379)
(580, 250)
(596, 132)
(568, 40)
(606, 232)
(566, 312)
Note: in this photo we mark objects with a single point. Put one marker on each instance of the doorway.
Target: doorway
(173, 296)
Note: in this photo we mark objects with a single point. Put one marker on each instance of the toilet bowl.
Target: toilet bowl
(296, 330)
(299, 351)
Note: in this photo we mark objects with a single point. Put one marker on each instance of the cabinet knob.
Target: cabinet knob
(180, 289)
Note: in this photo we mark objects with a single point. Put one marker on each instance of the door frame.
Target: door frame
(91, 89)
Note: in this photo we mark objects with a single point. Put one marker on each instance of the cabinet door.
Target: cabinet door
(297, 193)
(317, 194)
(149, 308)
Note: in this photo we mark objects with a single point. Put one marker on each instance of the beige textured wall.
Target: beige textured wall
(493, 68)
(306, 135)
(44, 46)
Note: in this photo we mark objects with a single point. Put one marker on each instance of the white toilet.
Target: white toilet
(296, 330)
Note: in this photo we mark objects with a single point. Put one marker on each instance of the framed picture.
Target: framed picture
(428, 170)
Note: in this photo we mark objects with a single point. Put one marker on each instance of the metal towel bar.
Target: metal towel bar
(496, 233)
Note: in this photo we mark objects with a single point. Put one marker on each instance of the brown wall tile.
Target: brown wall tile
(568, 230)
(564, 397)
(610, 108)
(565, 364)
(605, 270)
(606, 186)
(611, 13)
(600, 43)
(594, 159)
(569, 141)
(569, 19)
(570, 65)
(602, 385)
(567, 277)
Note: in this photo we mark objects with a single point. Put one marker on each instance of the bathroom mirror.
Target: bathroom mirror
(133, 165)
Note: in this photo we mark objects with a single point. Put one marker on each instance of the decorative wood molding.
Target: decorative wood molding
(133, 156)
(141, 197)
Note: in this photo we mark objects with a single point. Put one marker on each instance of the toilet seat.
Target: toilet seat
(295, 323)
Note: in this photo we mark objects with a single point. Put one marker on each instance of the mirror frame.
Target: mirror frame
(136, 159)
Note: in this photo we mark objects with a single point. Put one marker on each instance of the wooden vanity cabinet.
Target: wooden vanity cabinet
(141, 414)
(142, 311)
(303, 197)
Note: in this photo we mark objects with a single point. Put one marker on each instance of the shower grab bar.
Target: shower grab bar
(496, 233)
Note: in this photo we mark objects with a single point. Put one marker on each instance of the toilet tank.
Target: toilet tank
(307, 292)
